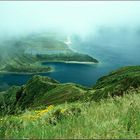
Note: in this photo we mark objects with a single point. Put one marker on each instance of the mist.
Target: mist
(70, 16)
(109, 26)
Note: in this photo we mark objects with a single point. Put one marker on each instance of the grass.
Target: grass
(45, 91)
(66, 57)
(115, 83)
(23, 64)
(117, 117)
(111, 109)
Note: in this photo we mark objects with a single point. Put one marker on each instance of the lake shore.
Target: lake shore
(69, 62)
(26, 73)
(76, 62)
(52, 68)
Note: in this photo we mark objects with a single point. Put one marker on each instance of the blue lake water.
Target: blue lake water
(84, 74)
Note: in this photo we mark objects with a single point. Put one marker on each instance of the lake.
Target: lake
(84, 74)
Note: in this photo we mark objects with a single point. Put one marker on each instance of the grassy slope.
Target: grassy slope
(42, 91)
(117, 82)
(22, 63)
(116, 117)
(62, 57)
(111, 118)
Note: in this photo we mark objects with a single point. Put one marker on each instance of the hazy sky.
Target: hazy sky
(72, 16)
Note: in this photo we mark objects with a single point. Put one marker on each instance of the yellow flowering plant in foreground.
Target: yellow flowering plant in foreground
(41, 112)
(63, 110)
(38, 113)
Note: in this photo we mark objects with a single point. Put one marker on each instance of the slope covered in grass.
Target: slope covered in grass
(117, 82)
(22, 63)
(111, 118)
(42, 91)
(66, 57)
(55, 110)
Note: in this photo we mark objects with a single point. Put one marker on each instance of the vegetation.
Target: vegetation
(41, 91)
(23, 63)
(111, 118)
(45, 108)
(117, 82)
(62, 57)
(25, 69)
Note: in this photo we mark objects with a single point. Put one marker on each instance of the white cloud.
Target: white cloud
(73, 16)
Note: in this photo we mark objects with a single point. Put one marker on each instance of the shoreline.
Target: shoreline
(25, 73)
(76, 62)
(69, 62)
(52, 69)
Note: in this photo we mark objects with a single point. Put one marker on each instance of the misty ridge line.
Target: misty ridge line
(115, 39)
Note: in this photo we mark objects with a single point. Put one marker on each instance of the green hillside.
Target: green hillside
(117, 82)
(23, 63)
(46, 108)
(41, 91)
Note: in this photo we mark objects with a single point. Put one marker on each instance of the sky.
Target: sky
(71, 16)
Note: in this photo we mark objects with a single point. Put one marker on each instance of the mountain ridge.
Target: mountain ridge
(42, 91)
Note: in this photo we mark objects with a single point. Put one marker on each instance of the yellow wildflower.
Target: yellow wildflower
(38, 114)
(41, 112)
(62, 110)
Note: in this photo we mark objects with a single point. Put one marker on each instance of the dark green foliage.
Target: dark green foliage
(23, 63)
(42, 91)
(35, 88)
(117, 82)
(131, 119)
(61, 114)
(26, 69)
(66, 57)
(8, 99)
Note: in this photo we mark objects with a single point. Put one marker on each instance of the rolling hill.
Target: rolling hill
(43, 107)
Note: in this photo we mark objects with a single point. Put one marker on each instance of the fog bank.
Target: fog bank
(70, 16)
(109, 26)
